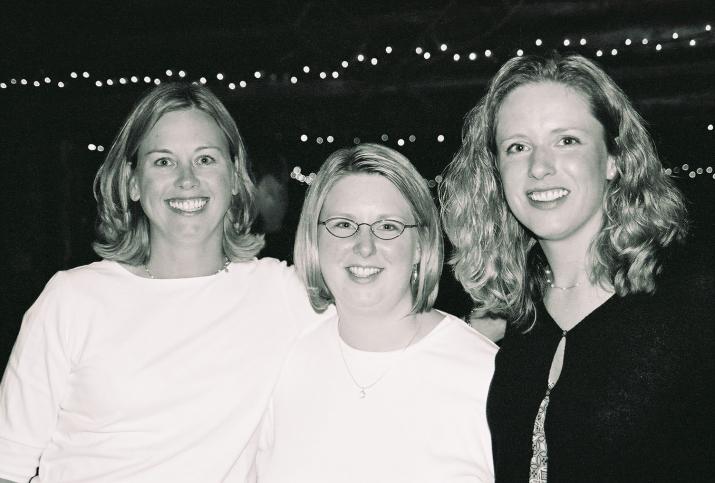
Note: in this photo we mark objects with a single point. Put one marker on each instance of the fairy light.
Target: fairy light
(85, 74)
(335, 74)
(319, 140)
(427, 55)
(710, 127)
(443, 48)
(182, 74)
(456, 57)
(202, 80)
(304, 137)
(100, 148)
(323, 75)
(122, 80)
(157, 81)
(373, 61)
(412, 138)
(232, 86)
(487, 53)
(109, 82)
(384, 138)
(388, 50)
(472, 56)
(692, 42)
(567, 42)
(242, 84)
(644, 41)
(440, 138)
(73, 75)
(23, 82)
(330, 139)
(147, 80)
(658, 47)
(3, 85)
(628, 42)
(614, 51)
(360, 57)
(60, 84)
(257, 74)
(36, 83)
(98, 83)
(306, 69)
(169, 73)
(47, 80)
(356, 140)
(134, 79)
(675, 35)
(538, 42)
(13, 81)
(219, 76)
(344, 64)
(582, 41)
(519, 52)
(708, 28)
(293, 80)
(91, 147)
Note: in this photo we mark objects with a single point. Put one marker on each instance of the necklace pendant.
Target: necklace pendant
(362, 393)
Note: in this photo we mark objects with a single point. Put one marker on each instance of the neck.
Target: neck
(185, 261)
(377, 332)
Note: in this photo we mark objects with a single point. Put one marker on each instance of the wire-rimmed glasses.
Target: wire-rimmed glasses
(383, 229)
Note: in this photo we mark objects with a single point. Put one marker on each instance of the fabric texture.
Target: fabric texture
(423, 421)
(118, 378)
(634, 401)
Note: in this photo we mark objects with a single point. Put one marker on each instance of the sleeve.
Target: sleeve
(34, 382)
(296, 296)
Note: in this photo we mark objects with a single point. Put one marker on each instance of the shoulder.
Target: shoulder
(462, 336)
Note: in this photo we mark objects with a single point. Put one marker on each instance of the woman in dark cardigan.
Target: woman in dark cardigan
(564, 224)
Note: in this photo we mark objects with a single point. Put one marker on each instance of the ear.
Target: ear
(418, 254)
(234, 177)
(611, 170)
(133, 187)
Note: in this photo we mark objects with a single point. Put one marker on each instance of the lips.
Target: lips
(359, 271)
(187, 205)
(546, 196)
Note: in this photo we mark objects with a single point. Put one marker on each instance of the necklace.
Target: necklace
(364, 387)
(224, 268)
(550, 281)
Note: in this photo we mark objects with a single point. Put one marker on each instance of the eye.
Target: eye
(569, 141)
(162, 162)
(515, 148)
(341, 223)
(205, 160)
(389, 225)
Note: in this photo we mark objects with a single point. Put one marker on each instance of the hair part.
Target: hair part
(499, 262)
(377, 160)
(122, 227)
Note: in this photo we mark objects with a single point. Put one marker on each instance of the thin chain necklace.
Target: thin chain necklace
(364, 387)
(224, 268)
(550, 281)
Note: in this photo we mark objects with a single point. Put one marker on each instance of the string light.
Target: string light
(582, 41)
(692, 42)
(344, 64)
(472, 56)
(73, 75)
(306, 69)
(323, 75)
(567, 42)
(519, 52)
(85, 74)
(644, 41)
(443, 47)
(628, 42)
(400, 142)
(293, 80)
(373, 61)
(182, 74)
(202, 80)
(232, 86)
(487, 53)
(360, 57)
(599, 53)
(456, 57)
(418, 51)
(330, 139)
(427, 55)
(134, 79)
(304, 137)
(538, 42)
(219, 76)
(384, 138)
(440, 138)
(3, 85)
(675, 35)
(388, 50)
(242, 84)
(257, 74)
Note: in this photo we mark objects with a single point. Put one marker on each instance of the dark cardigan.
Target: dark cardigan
(634, 402)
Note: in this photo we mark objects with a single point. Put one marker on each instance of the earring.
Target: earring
(415, 274)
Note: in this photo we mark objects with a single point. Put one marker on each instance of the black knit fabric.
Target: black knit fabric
(634, 402)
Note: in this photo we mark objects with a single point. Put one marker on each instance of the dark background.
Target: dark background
(46, 130)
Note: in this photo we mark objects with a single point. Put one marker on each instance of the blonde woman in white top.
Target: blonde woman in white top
(389, 389)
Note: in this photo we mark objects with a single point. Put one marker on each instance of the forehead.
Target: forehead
(543, 102)
(365, 195)
(184, 127)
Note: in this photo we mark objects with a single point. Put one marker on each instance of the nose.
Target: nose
(364, 241)
(541, 163)
(186, 177)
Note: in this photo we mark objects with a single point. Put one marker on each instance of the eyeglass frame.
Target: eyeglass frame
(370, 225)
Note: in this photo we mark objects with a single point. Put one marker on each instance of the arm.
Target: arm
(34, 382)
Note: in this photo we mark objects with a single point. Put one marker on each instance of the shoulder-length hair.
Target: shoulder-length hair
(497, 260)
(380, 161)
(122, 226)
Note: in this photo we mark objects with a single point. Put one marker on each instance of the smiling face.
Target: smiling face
(364, 273)
(184, 179)
(553, 161)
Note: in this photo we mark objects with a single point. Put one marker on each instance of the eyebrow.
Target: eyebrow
(169, 151)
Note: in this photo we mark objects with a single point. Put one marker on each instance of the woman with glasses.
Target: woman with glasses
(389, 389)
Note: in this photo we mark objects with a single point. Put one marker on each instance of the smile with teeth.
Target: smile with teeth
(188, 205)
(363, 272)
(548, 195)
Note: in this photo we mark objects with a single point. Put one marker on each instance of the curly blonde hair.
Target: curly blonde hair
(498, 261)
(122, 227)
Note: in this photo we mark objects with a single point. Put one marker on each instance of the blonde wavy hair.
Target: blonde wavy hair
(122, 227)
(498, 261)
